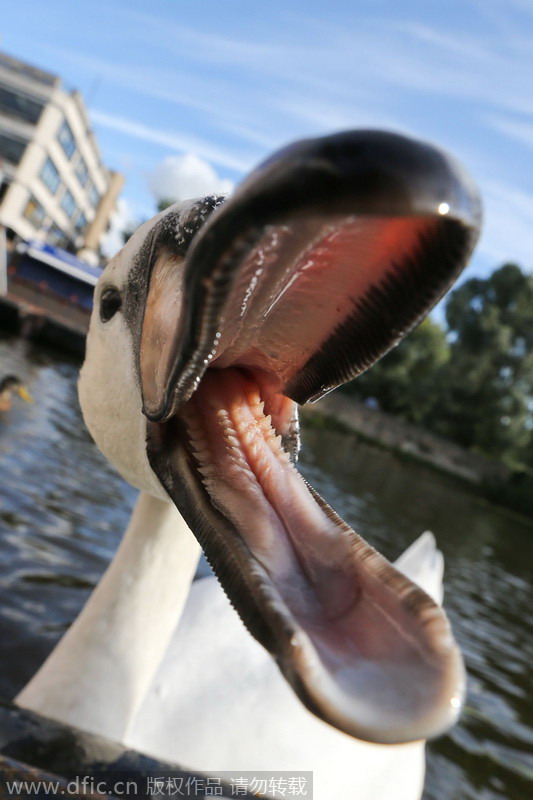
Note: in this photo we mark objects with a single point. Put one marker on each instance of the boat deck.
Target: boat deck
(31, 313)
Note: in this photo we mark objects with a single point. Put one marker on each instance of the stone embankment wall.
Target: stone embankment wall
(395, 434)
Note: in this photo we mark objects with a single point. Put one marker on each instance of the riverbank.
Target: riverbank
(489, 477)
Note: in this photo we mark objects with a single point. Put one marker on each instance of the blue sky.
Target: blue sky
(223, 83)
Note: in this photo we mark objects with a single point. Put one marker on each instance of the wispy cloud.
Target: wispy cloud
(228, 106)
(508, 228)
(329, 54)
(173, 140)
(476, 68)
(519, 130)
(206, 46)
(168, 84)
(263, 115)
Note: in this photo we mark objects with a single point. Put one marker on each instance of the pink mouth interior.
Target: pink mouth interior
(307, 554)
(302, 282)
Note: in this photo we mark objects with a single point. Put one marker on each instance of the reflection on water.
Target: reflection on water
(63, 509)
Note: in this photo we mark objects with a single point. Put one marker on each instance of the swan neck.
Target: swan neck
(97, 675)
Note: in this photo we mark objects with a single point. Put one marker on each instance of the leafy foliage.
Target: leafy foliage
(402, 382)
(472, 382)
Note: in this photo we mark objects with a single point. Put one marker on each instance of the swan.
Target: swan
(256, 723)
(213, 321)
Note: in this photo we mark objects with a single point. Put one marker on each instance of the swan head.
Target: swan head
(109, 388)
(210, 325)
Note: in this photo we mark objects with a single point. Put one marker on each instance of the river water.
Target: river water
(63, 509)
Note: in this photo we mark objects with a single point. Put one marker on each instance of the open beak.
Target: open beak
(324, 257)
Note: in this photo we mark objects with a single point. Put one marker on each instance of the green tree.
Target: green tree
(472, 383)
(403, 382)
(485, 397)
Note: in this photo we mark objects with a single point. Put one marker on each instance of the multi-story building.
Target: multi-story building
(53, 184)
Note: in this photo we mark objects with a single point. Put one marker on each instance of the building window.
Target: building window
(82, 173)
(50, 176)
(19, 105)
(11, 148)
(34, 212)
(81, 223)
(68, 204)
(66, 139)
(94, 195)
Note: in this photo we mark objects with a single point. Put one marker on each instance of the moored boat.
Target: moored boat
(49, 295)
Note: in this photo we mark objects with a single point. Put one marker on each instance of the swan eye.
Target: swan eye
(110, 303)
